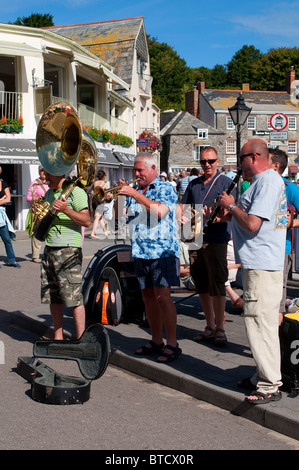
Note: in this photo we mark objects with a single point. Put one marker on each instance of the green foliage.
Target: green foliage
(240, 67)
(104, 135)
(268, 73)
(35, 20)
(170, 74)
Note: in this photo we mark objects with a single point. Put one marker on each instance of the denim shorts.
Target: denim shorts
(162, 272)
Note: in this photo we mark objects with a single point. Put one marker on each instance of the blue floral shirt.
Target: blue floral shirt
(153, 237)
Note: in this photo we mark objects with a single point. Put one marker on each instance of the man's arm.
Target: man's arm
(250, 222)
(81, 218)
(156, 208)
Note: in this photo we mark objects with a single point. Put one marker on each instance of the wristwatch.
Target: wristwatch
(231, 207)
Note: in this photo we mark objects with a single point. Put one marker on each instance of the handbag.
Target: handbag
(29, 223)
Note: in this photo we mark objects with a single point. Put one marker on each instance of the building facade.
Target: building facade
(38, 68)
(123, 45)
(182, 136)
(211, 106)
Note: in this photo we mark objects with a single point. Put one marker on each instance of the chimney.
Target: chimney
(245, 87)
(191, 102)
(201, 86)
(290, 77)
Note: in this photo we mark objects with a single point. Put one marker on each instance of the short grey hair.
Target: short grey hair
(148, 158)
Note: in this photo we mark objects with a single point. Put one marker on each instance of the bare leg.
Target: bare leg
(94, 226)
(79, 319)
(57, 311)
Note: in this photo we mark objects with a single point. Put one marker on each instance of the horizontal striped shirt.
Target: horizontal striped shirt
(63, 231)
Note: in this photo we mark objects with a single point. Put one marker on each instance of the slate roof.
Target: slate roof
(182, 122)
(112, 41)
(259, 101)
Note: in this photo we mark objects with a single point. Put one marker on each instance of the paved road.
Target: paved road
(124, 412)
(203, 372)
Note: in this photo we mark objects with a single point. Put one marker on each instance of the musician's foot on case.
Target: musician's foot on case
(208, 333)
(93, 236)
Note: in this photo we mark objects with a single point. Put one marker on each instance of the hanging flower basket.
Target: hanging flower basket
(154, 143)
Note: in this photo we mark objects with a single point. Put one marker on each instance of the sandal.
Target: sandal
(202, 337)
(169, 357)
(262, 398)
(153, 348)
(246, 384)
(220, 340)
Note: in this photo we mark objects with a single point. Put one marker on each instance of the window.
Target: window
(292, 123)
(251, 123)
(203, 134)
(292, 147)
(231, 147)
(196, 152)
(229, 123)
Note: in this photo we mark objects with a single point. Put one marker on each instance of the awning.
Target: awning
(126, 159)
(19, 49)
(95, 63)
(18, 151)
(106, 157)
(293, 169)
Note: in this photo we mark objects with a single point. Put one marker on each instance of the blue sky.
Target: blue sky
(202, 33)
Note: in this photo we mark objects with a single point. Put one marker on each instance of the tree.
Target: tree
(170, 75)
(35, 20)
(268, 73)
(240, 67)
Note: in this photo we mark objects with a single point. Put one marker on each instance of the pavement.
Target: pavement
(204, 371)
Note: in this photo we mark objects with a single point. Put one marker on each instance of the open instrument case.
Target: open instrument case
(91, 352)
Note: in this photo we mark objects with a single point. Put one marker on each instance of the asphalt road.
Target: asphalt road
(124, 412)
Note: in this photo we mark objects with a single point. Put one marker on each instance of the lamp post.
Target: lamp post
(239, 114)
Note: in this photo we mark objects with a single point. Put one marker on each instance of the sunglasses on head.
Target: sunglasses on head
(210, 162)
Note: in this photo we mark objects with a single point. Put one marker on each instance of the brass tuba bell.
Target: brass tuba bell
(59, 138)
(60, 144)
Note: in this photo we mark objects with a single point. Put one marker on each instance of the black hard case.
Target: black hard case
(91, 352)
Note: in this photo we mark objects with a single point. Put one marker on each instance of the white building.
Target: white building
(38, 67)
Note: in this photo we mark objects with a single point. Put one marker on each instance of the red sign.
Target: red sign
(278, 121)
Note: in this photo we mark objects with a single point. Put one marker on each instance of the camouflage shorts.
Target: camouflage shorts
(61, 276)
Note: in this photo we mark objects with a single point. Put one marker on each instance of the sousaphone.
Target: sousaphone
(61, 144)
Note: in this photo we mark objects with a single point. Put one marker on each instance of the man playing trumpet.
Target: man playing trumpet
(155, 250)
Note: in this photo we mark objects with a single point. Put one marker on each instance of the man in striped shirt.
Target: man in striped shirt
(61, 273)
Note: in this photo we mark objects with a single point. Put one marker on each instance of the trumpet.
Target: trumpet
(109, 194)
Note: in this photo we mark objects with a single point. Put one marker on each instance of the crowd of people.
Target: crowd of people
(251, 232)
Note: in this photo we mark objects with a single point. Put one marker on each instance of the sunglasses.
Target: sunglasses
(210, 162)
(248, 155)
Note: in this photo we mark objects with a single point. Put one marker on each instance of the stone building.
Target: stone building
(211, 106)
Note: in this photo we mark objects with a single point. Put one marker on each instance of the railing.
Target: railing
(119, 126)
(11, 104)
(89, 117)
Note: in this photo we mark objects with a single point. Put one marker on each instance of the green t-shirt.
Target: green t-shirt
(63, 231)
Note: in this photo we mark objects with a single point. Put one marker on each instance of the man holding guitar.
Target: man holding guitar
(208, 264)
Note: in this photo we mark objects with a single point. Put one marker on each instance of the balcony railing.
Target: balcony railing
(11, 104)
(119, 126)
(89, 117)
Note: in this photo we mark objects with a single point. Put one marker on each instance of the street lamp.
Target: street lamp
(239, 114)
